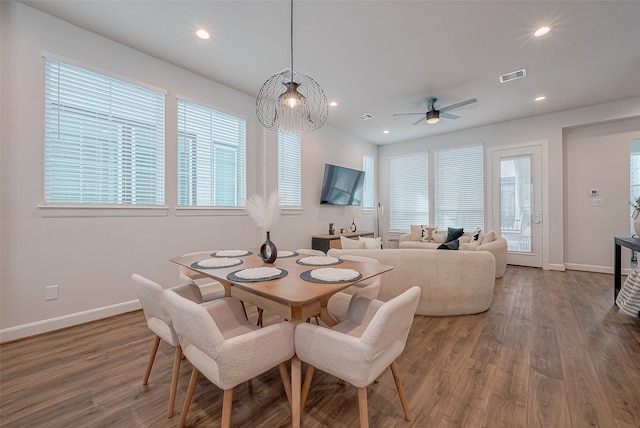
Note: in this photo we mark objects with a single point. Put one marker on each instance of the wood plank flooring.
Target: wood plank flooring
(552, 351)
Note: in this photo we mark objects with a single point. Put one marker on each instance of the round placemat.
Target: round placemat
(306, 275)
(324, 261)
(285, 254)
(233, 277)
(231, 253)
(216, 263)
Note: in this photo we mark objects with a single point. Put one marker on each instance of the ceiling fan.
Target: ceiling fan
(433, 115)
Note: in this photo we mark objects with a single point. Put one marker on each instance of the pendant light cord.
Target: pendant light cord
(292, 40)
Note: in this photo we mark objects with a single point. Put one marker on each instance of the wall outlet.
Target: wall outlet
(51, 292)
(597, 202)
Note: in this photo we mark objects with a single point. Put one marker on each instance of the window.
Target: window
(289, 169)
(369, 190)
(409, 191)
(635, 176)
(211, 157)
(459, 187)
(104, 139)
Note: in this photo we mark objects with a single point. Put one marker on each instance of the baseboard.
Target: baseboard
(51, 324)
(593, 268)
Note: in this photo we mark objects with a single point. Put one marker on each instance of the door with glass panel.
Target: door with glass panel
(517, 203)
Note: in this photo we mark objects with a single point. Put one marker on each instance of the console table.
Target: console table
(324, 242)
(633, 244)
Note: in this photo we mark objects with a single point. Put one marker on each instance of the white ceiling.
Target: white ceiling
(385, 57)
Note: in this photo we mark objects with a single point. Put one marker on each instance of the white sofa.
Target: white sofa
(452, 282)
(496, 245)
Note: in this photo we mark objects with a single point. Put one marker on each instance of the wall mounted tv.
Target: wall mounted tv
(341, 186)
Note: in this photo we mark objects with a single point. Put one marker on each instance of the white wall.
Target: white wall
(549, 129)
(92, 258)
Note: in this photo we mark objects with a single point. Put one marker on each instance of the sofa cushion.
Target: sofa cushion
(489, 237)
(371, 243)
(440, 236)
(469, 246)
(451, 245)
(427, 233)
(351, 244)
(453, 234)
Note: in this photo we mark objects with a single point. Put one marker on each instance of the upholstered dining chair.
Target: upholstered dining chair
(358, 349)
(151, 296)
(210, 288)
(339, 302)
(226, 348)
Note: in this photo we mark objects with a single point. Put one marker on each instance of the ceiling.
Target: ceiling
(385, 57)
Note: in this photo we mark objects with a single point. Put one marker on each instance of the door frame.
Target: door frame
(491, 219)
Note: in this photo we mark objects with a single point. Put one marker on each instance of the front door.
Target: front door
(517, 203)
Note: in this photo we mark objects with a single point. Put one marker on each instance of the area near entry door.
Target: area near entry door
(517, 203)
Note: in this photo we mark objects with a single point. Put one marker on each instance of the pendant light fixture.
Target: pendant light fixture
(292, 101)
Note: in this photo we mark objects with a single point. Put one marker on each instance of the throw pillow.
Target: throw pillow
(451, 245)
(440, 236)
(371, 243)
(427, 233)
(464, 239)
(416, 232)
(477, 234)
(471, 246)
(453, 234)
(352, 244)
(488, 237)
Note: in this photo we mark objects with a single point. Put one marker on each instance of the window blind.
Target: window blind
(409, 191)
(104, 139)
(368, 191)
(289, 169)
(459, 187)
(211, 157)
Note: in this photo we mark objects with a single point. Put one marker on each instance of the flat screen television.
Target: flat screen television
(341, 186)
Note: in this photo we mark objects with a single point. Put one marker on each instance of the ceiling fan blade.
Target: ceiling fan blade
(418, 122)
(458, 105)
(406, 114)
(449, 115)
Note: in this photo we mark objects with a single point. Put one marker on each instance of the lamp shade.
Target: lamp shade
(433, 116)
(292, 101)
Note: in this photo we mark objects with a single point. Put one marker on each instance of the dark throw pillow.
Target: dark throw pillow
(454, 234)
(452, 245)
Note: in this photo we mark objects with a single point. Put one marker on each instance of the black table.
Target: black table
(633, 244)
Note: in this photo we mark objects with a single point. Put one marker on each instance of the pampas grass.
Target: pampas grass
(264, 213)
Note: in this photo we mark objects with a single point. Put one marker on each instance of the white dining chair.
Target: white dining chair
(226, 348)
(358, 349)
(151, 296)
(339, 302)
(210, 288)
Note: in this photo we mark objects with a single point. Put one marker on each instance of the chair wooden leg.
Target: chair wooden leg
(362, 406)
(152, 357)
(227, 402)
(286, 381)
(306, 385)
(174, 379)
(244, 309)
(260, 312)
(403, 398)
(188, 397)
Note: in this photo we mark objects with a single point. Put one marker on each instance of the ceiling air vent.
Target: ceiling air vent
(518, 74)
(365, 116)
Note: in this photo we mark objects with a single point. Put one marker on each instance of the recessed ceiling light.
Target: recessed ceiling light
(542, 31)
(540, 98)
(386, 131)
(202, 33)
(333, 103)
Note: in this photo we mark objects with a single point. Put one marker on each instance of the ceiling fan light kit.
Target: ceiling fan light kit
(433, 116)
(292, 101)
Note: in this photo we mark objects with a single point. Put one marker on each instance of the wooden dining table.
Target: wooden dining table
(291, 296)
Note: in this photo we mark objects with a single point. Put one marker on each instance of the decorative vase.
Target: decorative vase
(353, 226)
(268, 250)
(332, 231)
(636, 222)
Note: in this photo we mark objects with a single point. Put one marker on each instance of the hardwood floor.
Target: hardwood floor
(552, 351)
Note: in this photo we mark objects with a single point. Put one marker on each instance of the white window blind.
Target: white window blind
(368, 191)
(211, 157)
(289, 169)
(459, 187)
(104, 139)
(409, 191)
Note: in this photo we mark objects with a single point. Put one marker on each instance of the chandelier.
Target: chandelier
(292, 101)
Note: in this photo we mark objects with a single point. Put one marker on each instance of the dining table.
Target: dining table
(295, 293)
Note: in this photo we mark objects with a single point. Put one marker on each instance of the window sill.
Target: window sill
(62, 211)
(292, 211)
(209, 211)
